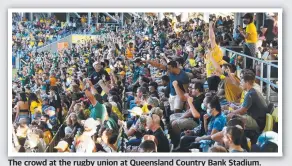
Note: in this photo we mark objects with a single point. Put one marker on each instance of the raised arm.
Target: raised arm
(113, 78)
(178, 91)
(155, 64)
(212, 35)
(89, 87)
(234, 79)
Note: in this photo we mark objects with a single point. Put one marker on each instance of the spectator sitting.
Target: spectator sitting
(189, 119)
(108, 140)
(215, 125)
(137, 130)
(235, 121)
(153, 124)
(138, 99)
(233, 138)
(189, 136)
(153, 89)
(254, 107)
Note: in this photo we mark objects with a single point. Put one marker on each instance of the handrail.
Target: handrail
(226, 47)
(268, 63)
(257, 59)
(266, 81)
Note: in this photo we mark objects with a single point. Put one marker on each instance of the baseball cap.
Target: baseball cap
(267, 142)
(62, 145)
(136, 111)
(90, 124)
(248, 16)
(51, 111)
(268, 136)
(68, 131)
(45, 97)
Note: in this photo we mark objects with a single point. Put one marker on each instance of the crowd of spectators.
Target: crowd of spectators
(151, 86)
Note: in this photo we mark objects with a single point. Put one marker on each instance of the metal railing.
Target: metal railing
(268, 63)
(54, 142)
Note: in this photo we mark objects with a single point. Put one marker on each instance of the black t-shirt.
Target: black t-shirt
(76, 127)
(225, 23)
(96, 76)
(56, 103)
(163, 143)
(197, 104)
(269, 24)
(229, 23)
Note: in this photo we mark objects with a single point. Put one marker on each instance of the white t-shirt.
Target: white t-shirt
(86, 145)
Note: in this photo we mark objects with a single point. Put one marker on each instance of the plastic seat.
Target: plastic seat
(275, 114)
(269, 123)
(248, 143)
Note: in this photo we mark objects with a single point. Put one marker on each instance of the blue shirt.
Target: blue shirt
(218, 123)
(182, 78)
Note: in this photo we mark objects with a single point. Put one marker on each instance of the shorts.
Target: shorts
(191, 76)
(183, 123)
(175, 116)
(250, 123)
(175, 103)
(25, 116)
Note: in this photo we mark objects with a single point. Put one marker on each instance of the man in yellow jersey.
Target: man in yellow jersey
(215, 50)
(251, 38)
